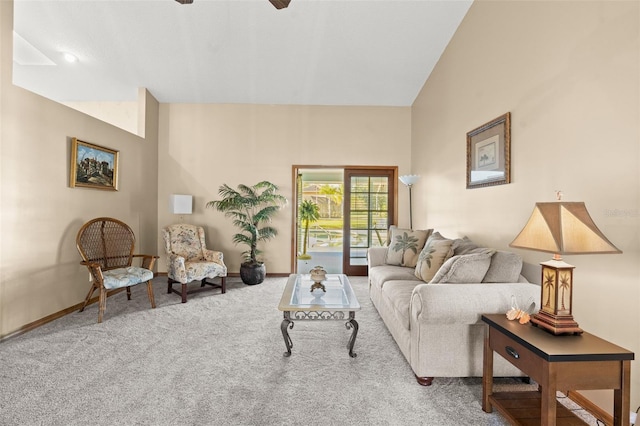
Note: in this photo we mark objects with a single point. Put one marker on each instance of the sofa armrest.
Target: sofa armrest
(376, 256)
(465, 303)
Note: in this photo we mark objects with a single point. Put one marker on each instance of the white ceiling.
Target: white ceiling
(315, 52)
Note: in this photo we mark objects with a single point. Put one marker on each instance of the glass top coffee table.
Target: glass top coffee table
(336, 301)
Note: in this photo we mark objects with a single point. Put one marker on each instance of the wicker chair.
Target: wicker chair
(106, 246)
(188, 259)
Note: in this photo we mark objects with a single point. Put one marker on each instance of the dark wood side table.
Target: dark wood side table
(567, 362)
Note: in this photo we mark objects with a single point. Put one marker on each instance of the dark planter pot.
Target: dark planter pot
(252, 273)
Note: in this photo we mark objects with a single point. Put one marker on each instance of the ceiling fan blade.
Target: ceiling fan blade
(280, 4)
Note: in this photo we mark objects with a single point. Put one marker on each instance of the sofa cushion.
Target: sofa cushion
(505, 268)
(383, 273)
(398, 294)
(464, 268)
(435, 252)
(405, 245)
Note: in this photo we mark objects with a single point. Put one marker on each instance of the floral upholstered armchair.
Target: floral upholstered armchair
(188, 259)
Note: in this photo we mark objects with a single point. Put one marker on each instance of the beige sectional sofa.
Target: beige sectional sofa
(437, 324)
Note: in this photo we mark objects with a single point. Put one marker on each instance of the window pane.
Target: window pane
(358, 253)
(379, 202)
(359, 184)
(379, 220)
(379, 184)
(359, 220)
(359, 238)
(378, 238)
(360, 202)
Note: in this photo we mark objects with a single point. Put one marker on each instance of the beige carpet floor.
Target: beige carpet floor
(218, 360)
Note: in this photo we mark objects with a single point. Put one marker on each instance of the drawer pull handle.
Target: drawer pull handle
(512, 352)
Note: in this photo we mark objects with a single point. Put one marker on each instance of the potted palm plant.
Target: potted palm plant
(309, 212)
(252, 209)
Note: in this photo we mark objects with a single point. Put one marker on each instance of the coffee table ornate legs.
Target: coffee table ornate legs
(284, 326)
(352, 324)
(287, 324)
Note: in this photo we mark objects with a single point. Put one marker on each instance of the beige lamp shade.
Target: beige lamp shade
(563, 228)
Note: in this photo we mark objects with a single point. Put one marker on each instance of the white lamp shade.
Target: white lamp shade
(181, 204)
(409, 179)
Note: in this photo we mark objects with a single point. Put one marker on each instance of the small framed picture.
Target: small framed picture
(489, 152)
(93, 166)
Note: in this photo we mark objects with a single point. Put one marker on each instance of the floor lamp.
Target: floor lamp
(410, 180)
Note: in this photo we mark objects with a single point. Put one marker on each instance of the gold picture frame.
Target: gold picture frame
(489, 153)
(93, 166)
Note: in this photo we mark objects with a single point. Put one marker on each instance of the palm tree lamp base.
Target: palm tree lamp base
(557, 325)
(555, 315)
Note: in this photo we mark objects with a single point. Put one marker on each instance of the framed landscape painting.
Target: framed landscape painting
(93, 166)
(489, 153)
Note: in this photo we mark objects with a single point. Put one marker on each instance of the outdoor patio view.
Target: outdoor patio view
(321, 219)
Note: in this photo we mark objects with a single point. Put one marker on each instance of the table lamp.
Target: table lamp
(560, 228)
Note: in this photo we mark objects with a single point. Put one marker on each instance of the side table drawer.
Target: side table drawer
(521, 357)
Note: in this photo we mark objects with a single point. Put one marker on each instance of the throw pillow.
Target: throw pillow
(405, 245)
(505, 268)
(435, 252)
(463, 245)
(464, 268)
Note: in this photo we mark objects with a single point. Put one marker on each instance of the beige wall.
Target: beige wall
(569, 73)
(204, 146)
(40, 214)
(121, 114)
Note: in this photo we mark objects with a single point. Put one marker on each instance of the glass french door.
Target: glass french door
(369, 209)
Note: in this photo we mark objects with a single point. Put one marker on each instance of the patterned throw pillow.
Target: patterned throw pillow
(435, 252)
(405, 245)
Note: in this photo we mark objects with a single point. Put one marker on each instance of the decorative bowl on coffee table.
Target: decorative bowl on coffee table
(318, 274)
